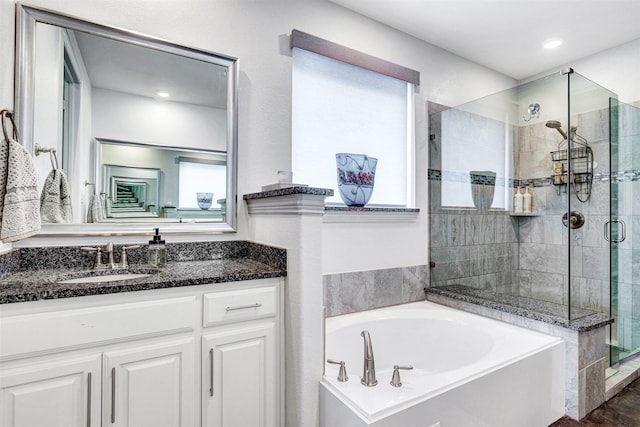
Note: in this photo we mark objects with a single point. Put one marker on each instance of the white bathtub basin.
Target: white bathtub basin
(505, 375)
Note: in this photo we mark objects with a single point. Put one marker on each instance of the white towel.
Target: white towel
(96, 210)
(19, 208)
(55, 201)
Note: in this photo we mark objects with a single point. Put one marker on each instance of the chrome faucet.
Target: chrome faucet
(111, 264)
(369, 371)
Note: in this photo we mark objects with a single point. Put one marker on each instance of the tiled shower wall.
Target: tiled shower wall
(527, 256)
(543, 239)
(468, 247)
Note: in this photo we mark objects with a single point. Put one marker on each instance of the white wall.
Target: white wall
(615, 69)
(47, 131)
(257, 33)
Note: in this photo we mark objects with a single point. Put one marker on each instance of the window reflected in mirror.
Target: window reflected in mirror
(142, 182)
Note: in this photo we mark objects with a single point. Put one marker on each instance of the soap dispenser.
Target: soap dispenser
(156, 251)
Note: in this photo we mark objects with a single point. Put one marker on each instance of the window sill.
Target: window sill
(346, 214)
(311, 201)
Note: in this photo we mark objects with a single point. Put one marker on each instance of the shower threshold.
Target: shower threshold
(623, 374)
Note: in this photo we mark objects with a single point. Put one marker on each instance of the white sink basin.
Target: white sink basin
(105, 278)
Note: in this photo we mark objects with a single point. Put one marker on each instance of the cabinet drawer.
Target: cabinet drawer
(234, 306)
(77, 328)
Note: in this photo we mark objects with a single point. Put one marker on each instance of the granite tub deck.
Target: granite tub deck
(31, 274)
(585, 349)
(547, 312)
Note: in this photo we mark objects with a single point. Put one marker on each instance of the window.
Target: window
(338, 108)
(471, 142)
(200, 176)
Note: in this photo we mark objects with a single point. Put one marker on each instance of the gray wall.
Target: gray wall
(365, 290)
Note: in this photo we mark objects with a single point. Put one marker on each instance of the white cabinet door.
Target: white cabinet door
(56, 393)
(240, 386)
(150, 386)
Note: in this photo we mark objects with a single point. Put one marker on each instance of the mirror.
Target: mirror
(144, 129)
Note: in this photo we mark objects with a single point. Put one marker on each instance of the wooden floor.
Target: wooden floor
(622, 410)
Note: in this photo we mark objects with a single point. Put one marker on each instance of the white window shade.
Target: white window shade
(338, 108)
(197, 177)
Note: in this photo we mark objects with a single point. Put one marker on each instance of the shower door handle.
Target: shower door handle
(607, 231)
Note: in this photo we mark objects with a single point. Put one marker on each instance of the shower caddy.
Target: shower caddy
(581, 166)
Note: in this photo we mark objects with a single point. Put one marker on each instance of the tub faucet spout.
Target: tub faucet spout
(369, 371)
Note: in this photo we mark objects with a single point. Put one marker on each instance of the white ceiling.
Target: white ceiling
(507, 35)
(142, 71)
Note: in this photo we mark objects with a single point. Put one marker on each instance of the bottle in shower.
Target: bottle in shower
(526, 201)
(156, 251)
(518, 201)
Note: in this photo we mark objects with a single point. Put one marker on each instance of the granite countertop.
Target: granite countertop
(547, 312)
(32, 274)
(44, 284)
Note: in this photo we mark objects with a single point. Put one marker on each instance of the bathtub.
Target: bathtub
(468, 371)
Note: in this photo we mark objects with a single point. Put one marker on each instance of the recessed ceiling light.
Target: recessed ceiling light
(162, 94)
(552, 43)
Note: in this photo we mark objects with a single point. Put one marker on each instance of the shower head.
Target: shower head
(554, 124)
(533, 110)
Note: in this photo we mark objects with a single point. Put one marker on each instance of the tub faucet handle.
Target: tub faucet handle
(342, 375)
(395, 378)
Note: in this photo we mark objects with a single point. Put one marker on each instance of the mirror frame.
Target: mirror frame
(26, 19)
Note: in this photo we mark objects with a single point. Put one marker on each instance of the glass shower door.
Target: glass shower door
(623, 230)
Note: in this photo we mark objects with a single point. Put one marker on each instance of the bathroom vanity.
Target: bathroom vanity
(196, 344)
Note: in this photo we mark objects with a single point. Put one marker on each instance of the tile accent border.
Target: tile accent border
(622, 176)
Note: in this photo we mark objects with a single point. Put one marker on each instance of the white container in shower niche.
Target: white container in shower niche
(518, 201)
(527, 204)
(483, 186)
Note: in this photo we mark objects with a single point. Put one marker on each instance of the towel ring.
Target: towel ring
(52, 155)
(6, 114)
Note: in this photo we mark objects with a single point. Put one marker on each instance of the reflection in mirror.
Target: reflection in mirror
(146, 123)
(141, 182)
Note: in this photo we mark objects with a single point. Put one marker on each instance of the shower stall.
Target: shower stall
(565, 243)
